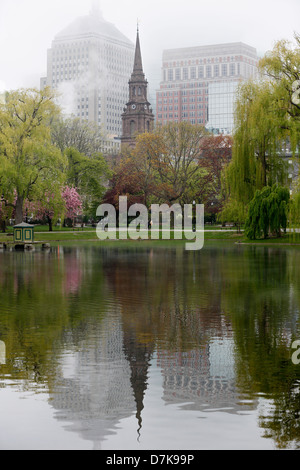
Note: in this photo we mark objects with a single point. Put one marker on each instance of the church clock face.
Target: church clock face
(133, 106)
(145, 106)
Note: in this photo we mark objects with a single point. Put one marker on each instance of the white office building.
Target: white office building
(90, 63)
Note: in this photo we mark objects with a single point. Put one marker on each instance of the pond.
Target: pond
(148, 346)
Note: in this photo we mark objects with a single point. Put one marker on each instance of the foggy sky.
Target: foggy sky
(27, 28)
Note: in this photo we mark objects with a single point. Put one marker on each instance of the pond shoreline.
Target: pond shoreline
(213, 235)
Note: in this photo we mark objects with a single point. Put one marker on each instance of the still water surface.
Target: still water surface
(144, 346)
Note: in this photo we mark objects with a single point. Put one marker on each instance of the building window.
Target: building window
(200, 71)
(132, 127)
(224, 70)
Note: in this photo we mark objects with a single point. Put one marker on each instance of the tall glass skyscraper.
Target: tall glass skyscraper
(90, 63)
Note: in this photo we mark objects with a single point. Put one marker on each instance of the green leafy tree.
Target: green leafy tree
(234, 212)
(89, 174)
(268, 212)
(85, 137)
(27, 157)
(281, 66)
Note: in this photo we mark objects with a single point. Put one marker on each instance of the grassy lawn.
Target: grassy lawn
(286, 239)
(42, 233)
(89, 234)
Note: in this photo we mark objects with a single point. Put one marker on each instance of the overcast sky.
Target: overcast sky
(27, 28)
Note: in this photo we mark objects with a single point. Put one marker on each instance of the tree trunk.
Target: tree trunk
(264, 165)
(3, 225)
(50, 223)
(19, 210)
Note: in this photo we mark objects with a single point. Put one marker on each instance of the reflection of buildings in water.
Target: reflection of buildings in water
(102, 382)
(201, 377)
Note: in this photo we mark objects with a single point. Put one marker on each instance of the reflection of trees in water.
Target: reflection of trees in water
(30, 292)
(283, 423)
(41, 306)
(171, 301)
(161, 298)
(262, 300)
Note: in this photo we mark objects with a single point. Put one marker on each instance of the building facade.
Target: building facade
(137, 116)
(198, 84)
(89, 63)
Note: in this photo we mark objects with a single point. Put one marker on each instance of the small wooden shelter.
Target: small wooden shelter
(24, 233)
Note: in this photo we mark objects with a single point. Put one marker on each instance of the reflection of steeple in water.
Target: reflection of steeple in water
(138, 356)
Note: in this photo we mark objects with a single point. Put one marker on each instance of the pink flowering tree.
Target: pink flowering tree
(73, 203)
(49, 207)
(53, 205)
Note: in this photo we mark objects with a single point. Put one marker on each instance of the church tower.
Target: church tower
(137, 117)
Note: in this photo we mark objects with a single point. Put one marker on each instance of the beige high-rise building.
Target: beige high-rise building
(198, 84)
(89, 63)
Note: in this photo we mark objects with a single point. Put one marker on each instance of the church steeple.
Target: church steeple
(138, 66)
(137, 117)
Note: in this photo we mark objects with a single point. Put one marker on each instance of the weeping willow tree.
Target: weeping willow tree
(294, 214)
(268, 212)
(258, 135)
